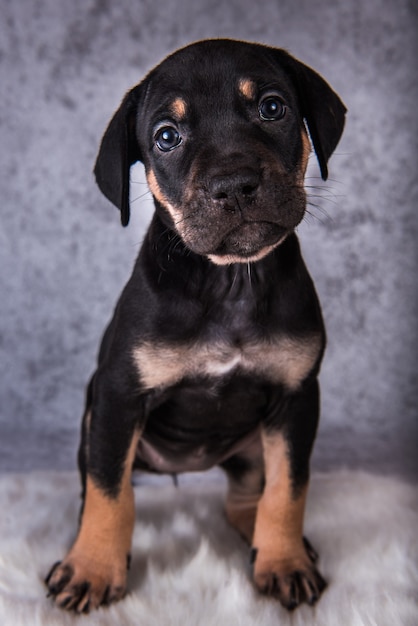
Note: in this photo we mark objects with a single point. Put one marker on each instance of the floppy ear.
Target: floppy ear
(118, 151)
(321, 108)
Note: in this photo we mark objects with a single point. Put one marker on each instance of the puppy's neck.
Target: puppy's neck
(169, 261)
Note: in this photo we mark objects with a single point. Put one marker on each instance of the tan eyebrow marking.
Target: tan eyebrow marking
(179, 108)
(247, 88)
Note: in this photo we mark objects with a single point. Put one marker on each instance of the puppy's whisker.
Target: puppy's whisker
(323, 191)
(173, 245)
(185, 218)
(163, 234)
(323, 219)
(319, 207)
(249, 273)
(177, 242)
(323, 182)
(234, 280)
(142, 195)
(167, 247)
(312, 200)
(320, 190)
(309, 216)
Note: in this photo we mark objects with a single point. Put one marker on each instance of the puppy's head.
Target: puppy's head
(221, 127)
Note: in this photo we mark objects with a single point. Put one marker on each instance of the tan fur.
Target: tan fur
(229, 259)
(99, 554)
(279, 523)
(179, 108)
(284, 360)
(247, 88)
(280, 513)
(104, 515)
(306, 151)
(175, 213)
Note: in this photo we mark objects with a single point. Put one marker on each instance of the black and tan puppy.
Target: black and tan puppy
(214, 349)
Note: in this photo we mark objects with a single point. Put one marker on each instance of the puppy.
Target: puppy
(213, 352)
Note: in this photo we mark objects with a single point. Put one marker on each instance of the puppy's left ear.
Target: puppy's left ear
(321, 108)
(118, 151)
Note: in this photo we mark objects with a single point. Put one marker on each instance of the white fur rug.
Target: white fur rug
(190, 569)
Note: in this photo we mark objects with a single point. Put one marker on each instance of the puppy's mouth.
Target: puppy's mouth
(250, 241)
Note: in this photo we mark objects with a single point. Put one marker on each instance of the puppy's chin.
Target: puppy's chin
(248, 244)
(229, 259)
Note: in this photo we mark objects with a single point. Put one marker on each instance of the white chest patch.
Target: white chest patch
(283, 360)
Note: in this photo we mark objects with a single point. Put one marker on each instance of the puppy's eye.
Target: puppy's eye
(271, 109)
(167, 138)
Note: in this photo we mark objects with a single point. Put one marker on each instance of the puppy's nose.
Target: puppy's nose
(234, 188)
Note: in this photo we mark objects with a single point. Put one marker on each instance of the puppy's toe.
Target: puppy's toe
(84, 585)
(292, 580)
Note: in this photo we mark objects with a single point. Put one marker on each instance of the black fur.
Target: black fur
(220, 271)
(124, 141)
(177, 299)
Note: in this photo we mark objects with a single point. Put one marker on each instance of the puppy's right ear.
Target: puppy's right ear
(118, 151)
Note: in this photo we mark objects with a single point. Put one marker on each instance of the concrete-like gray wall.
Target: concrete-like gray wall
(64, 67)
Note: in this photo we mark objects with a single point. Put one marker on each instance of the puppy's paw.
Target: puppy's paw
(82, 584)
(291, 579)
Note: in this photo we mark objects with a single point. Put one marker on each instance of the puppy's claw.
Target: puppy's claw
(291, 580)
(61, 580)
(50, 573)
(294, 589)
(310, 551)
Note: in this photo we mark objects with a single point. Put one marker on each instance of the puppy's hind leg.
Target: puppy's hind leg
(245, 485)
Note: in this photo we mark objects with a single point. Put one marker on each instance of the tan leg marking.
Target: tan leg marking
(283, 567)
(95, 569)
(280, 516)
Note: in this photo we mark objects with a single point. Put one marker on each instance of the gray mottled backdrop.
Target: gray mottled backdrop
(64, 67)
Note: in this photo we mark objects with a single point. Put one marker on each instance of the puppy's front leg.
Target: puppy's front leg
(95, 570)
(284, 562)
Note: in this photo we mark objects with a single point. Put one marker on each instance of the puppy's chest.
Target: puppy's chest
(279, 359)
